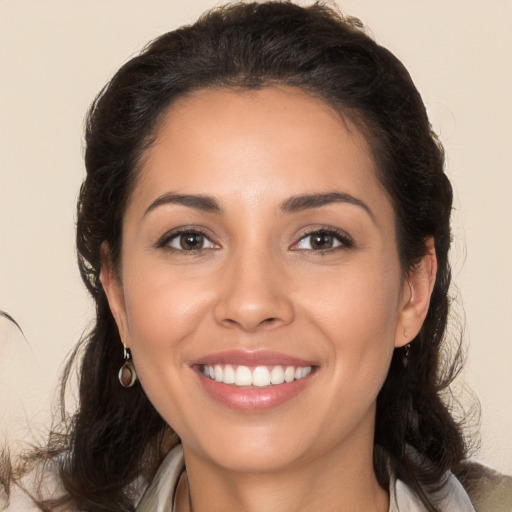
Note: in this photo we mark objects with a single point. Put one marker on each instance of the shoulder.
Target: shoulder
(472, 487)
(488, 490)
(451, 497)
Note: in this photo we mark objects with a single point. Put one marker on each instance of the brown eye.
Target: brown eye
(189, 241)
(321, 240)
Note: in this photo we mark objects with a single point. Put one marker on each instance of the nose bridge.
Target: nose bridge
(253, 290)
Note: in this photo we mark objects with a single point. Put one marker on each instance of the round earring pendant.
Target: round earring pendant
(127, 375)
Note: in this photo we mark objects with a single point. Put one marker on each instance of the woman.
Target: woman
(264, 228)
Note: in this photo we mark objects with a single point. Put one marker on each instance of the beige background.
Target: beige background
(55, 56)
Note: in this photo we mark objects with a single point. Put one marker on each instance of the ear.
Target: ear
(416, 294)
(112, 285)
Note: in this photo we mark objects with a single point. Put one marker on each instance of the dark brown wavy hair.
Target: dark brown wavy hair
(116, 436)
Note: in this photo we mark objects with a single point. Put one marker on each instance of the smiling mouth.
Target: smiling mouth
(254, 382)
(258, 376)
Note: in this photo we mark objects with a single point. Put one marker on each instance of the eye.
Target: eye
(189, 240)
(322, 240)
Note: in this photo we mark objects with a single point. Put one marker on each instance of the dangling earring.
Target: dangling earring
(127, 375)
(405, 355)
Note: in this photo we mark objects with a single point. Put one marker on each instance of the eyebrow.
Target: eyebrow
(293, 204)
(307, 201)
(198, 202)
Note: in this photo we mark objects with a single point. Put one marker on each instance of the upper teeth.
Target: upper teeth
(259, 376)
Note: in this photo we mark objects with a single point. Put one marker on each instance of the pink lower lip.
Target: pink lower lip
(253, 399)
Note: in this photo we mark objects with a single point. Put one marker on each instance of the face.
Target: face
(260, 289)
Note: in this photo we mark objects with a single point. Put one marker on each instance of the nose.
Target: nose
(253, 294)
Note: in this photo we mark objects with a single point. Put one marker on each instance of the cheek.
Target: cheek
(357, 306)
(164, 314)
(162, 311)
(357, 314)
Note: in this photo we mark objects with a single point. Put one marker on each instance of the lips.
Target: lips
(253, 381)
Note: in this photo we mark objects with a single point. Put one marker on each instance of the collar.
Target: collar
(159, 496)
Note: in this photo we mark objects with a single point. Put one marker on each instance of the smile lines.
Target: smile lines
(260, 376)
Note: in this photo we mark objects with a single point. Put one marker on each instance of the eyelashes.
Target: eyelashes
(321, 240)
(186, 240)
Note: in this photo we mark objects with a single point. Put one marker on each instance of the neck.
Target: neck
(341, 480)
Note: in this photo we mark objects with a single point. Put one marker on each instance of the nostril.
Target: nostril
(267, 322)
(252, 309)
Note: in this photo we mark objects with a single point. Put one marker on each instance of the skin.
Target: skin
(257, 284)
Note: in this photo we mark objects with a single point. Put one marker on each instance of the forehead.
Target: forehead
(240, 144)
